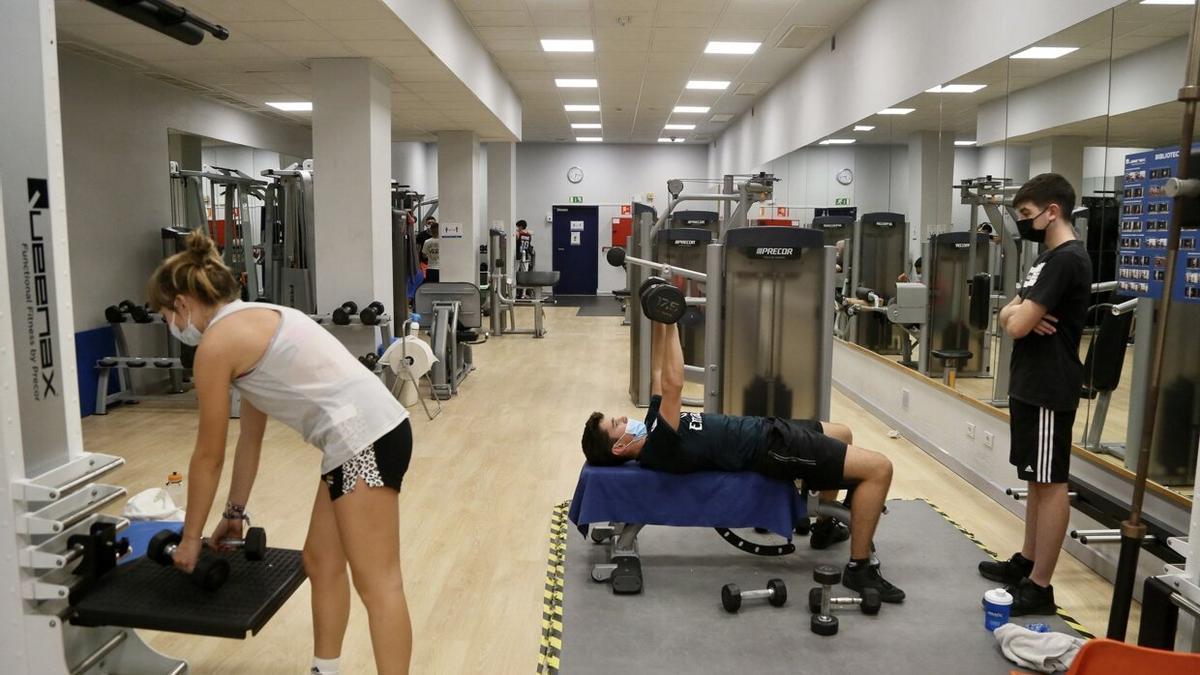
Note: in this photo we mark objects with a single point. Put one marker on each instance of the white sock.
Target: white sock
(326, 666)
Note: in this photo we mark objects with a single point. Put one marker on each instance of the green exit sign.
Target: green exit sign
(577, 199)
(841, 201)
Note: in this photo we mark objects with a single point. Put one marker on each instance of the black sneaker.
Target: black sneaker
(1008, 572)
(868, 576)
(827, 532)
(1029, 598)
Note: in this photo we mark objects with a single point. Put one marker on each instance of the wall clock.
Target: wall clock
(575, 174)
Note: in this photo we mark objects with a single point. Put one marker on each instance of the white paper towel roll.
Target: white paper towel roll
(410, 353)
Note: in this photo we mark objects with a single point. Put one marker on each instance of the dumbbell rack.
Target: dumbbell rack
(123, 364)
(383, 323)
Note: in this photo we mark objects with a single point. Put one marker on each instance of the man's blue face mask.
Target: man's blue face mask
(635, 428)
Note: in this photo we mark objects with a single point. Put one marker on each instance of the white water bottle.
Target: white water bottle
(175, 488)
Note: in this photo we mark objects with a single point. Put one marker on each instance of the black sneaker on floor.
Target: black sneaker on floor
(868, 576)
(827, 532)
(1029, 598)
(1008, 572)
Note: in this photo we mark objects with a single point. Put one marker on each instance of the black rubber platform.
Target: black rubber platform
(144, 594)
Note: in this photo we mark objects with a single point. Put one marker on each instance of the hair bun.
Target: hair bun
(199, 244)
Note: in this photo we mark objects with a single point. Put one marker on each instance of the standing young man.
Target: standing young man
(1046, 321)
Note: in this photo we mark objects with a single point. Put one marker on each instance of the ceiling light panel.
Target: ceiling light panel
(575, 82)
(1044, 52)
(962, 144)
(589, 139)
(690, 109)
(837, 141)
(684, 127)
(956, 89)
(671, 140)
(864, 127)
(586, 125)
(292, 106)
(717, 47)
(568, 46)
(582, 107)
(716, 85)
(896, 111)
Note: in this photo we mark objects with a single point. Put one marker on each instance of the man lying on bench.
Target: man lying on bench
(818, 453)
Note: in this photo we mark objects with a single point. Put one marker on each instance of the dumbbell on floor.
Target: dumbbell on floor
(341, 315)
(661, 301)
(210, 573)
(372, 313)
(732, 597)
(821, 601)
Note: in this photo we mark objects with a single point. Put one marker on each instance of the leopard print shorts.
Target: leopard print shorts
(381, 464)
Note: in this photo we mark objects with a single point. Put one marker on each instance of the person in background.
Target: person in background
(425, 235)
(431, 254)
(525, 255)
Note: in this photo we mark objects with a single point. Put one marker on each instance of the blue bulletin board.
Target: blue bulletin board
(1145, 216)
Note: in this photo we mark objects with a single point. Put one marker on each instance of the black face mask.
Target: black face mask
(1029, 232)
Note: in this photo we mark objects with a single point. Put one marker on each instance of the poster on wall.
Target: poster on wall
(1146, 213)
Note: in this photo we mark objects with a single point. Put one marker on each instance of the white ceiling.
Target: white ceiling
(646, 51)
(1115, 34)
(266, 57)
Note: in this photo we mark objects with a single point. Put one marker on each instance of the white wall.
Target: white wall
(808, 177)
(879, 62)
(115, 126)
(1102, 165)
(612, 174)
(411, 166)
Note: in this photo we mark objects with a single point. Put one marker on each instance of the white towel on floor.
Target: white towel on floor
(1043, 652)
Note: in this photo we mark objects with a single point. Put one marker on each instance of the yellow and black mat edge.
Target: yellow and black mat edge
(1062, 614)
(552, 595)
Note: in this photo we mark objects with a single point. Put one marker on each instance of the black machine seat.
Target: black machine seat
(622, 293)
(947, 355)
(536, 278)
(1106, 353)
(144, 594)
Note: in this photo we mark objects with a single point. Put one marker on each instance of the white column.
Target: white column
(459, 194)
(930, 173)
(501, 190)
(1062, 155)
(352, 140)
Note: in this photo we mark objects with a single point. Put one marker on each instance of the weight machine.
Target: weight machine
(289, 268)
(233, 231)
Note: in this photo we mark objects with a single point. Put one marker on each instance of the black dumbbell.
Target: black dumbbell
(370, 360)
(136, 363)
(210, 573)
(254, 546)
(775, 593)
(113, 314)
(341, 315)
(140, 314)
(663, 303)
(650, 281)
(615, 256)
(869, 603)
(371, 314)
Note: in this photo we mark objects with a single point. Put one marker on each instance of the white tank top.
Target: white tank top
(309, 381)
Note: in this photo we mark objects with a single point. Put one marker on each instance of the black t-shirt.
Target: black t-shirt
(1045, 369)
(703, 442)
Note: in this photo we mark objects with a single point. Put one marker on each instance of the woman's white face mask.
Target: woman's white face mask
(190, 335)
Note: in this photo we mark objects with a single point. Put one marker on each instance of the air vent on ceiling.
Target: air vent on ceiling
(802, 37)
(722, 117)
(750, 88)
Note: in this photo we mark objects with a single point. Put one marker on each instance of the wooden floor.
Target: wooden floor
(476, 504)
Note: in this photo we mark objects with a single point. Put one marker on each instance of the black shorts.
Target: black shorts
(1040, 442)
(799, 450)
(380, 464)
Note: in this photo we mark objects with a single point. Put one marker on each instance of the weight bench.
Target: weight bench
(622, 295)
(534, 280)
(616, 502)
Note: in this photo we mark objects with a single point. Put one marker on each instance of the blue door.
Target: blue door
(576, 249)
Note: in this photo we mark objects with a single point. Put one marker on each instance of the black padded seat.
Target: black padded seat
(951, 354)
(537, 278)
